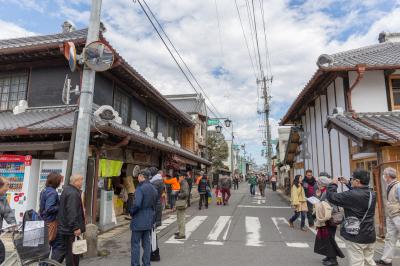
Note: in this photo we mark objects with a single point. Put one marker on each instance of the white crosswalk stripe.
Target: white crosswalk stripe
(191, 226)
(222, 223)
(253, 232)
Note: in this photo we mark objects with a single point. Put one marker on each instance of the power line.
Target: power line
(256, 34)
(250, 20)
(267, 58)
(177, 52)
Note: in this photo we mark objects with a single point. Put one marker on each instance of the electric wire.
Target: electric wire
(257, 42)
(251, 27)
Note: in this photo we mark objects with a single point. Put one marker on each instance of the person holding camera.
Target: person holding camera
(358, 228)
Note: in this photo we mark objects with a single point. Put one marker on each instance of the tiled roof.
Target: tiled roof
(188, 103)
(382, 54)
(60, 119)
(43, 39)
(379, 127)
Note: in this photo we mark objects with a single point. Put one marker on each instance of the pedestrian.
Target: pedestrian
(261, 185)
(71, 217)
(175, 187)
(203, 187)
(310, 188)
(218, 195)
(49, 205)
(273, 182)
(189, 180)
(298, 202)
(158, 184)
(392, 215)
(236, 182)
(325, 243)
(359, 208)
(225, 184)
(6, 213)
(253, 182)
(143, 216)
(181, 207)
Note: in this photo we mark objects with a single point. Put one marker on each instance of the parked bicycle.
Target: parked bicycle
(23, 255)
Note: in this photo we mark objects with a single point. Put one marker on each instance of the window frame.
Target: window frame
(392, 77)
(10, 76)
(121, 92)
(150, 115)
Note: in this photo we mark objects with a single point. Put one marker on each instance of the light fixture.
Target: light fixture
(264, 143)
(228, 122)
(243, 146)
(218, 128)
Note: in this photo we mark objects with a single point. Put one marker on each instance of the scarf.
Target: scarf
(155, 178)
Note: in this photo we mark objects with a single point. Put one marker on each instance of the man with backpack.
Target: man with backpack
(225, 184)
(358, 228)
(203, 187)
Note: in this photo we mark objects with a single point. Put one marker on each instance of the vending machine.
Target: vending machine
(45, 168)
(22, 172)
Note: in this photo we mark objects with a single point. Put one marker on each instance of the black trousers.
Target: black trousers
(273, 186)
(203, 198)
(2, 252)
(70, 259)
(190, 195)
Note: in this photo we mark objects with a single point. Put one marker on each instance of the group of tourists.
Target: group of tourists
(261, 181)
(318, 200)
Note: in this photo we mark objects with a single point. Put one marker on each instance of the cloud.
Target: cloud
(11, 30)
(297, 31)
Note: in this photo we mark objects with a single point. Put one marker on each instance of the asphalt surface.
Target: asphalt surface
(248, 231)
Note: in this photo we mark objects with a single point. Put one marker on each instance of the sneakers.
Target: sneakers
(291, 224)
(330, 263)
(381, 262)
(180, 237)
(304, 229)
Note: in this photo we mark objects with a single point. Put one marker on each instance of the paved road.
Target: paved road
(249, 231)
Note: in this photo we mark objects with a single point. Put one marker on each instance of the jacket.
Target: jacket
(355, 203)
(306, 186)
(184, 191)
(298, 199)
(225, 183)
(49, 204)
(6, 213)
(143, 210)
(159, 186)
(173, 182)
(202, 185)
(253, 180)
(393, 202)
(70, 215)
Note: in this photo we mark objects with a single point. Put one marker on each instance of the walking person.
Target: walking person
(202, 187)
(175, 187)
(225, 184)
(49, 205)
(71, 217)
(325, 243)
(181, 207)
(189, 180)
(6, 213)
(143, 215)
(392, 215)
(235, 182)
(298, 202)
(273, 182)
(158, 184)
(261, 184)
(359, 205)
(310, 188)
(253, 183)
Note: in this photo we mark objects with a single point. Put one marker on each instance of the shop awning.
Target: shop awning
(34, 146)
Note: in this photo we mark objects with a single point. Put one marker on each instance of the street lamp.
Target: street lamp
(264, 143)
(228, 122)
(218, 129)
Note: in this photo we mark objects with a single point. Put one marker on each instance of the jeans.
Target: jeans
(203, 198)
(138, 236)
(273, 186)
(310, 216)
(393, 230)
(235, 185)
(296, 215)
(190, 195)
(172, 198)
(253, 189)
(226, 194)
(360, 254)
(70, 258)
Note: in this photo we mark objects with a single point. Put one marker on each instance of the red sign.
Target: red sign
(16, 159)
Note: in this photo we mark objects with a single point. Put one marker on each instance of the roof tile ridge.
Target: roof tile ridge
(60, 34)
(365, 49)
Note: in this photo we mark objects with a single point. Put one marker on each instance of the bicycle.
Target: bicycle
(20, 258)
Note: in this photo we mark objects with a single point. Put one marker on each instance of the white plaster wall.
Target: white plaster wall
(313, 141)
(303, 121)
(327, 148)
(369, 95)
(309, 146)
(336, 167)
(318, 128)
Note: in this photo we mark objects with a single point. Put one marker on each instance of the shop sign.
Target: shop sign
(16, 159)
(299, 165)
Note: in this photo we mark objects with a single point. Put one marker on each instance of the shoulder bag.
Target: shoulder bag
(352, 224)
(79, 246)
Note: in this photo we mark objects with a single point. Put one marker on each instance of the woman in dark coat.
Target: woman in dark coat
(325, 243)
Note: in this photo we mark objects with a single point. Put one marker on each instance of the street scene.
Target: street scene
(226, 132)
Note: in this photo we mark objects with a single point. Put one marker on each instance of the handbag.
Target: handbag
(352, 224)
(180, 204)
(79, 246)
(52, 227)
(336, 219)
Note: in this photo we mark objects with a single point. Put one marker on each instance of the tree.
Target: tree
(217, 149)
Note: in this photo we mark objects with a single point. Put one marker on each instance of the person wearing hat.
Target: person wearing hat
(325, 243)
(143, 216)
(359, 203)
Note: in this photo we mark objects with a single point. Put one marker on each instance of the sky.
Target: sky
(213, 46)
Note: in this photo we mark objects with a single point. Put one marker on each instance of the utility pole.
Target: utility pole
(267, 131)
(79, 165)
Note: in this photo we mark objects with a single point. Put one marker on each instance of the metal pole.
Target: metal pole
(232, 150)
(86, 99)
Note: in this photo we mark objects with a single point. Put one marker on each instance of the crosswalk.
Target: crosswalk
(253, 227)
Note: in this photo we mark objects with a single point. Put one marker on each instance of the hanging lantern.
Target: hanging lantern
(228, 122)
(264, 143)
(218, 129)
